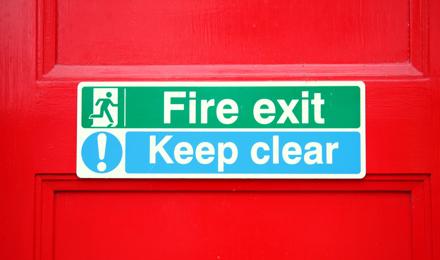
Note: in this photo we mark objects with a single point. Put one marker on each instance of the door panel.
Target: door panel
(233, 219)
(231, 32)
(48, 46)
(254, 224)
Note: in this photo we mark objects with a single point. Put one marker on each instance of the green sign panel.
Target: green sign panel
(239, 107)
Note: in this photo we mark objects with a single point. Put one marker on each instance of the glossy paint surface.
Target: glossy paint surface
(48, 46)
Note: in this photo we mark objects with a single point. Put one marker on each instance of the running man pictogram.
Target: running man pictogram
(104, 109)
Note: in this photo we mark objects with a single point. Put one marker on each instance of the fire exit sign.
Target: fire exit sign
(268, 129)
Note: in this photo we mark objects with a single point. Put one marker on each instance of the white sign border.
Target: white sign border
(119, 172)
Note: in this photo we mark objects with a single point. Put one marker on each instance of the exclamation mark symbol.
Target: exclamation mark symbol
(102, 142)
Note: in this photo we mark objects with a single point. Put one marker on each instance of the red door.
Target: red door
(48, 46)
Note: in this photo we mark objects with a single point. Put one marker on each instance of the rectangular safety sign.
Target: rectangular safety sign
(267, 129)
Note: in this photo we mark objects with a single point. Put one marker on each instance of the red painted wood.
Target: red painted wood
(232, 32)
(47, 46)
(17, 79)
(230, 72)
